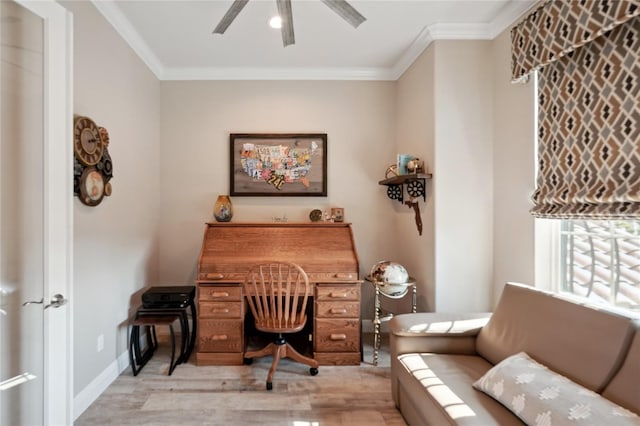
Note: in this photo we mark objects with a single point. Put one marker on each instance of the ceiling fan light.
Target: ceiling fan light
(275, 22)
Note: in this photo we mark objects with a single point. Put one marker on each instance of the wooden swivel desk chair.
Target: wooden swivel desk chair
(277, 295)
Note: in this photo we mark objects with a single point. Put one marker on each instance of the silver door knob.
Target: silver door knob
(33, 302)
(56, 301)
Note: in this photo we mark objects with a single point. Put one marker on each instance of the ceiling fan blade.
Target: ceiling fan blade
(284, 10)
(231, 14)
(346, 12)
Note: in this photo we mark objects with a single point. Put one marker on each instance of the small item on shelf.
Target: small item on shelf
(415, 166)
(337, 214)
(392, 170)
(403, 159)
(282, 219)
(315, 215)
(223, 209)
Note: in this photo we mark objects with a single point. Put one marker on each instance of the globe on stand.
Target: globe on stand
(391, 278)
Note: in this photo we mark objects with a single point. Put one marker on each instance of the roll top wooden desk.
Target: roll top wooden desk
(327, 253)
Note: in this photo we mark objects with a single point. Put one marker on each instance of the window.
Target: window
(600, 260)
(586, 57)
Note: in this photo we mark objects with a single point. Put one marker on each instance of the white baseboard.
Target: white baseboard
(93, 390)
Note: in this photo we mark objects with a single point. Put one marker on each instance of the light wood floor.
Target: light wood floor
(224, 395)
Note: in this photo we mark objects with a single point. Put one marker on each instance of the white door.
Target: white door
(35, 213)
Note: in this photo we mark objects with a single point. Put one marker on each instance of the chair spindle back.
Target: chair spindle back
(277, 295)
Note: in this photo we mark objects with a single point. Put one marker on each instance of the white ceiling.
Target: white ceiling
(175, 39)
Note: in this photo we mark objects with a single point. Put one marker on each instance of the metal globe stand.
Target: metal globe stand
(380, 315)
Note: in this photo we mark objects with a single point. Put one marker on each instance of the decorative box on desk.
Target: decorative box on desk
(325, 251)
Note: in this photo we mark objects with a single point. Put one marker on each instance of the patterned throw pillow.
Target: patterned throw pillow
(541, 397)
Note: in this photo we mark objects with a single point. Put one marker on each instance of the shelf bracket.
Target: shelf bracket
(415, 185)
(395, 192)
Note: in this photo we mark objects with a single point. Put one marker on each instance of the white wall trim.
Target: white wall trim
(121, 24)
(230, 73)
(418, 46)
(507, 16)
(93, 390)
(440, 31)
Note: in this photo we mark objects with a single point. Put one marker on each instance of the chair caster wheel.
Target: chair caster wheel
(269, 385)
(313, 371)
(247, 361)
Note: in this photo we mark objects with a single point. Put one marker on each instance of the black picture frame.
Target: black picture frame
(278, 164)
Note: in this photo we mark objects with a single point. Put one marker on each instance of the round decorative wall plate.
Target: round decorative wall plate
(315, 215)
(92, 187)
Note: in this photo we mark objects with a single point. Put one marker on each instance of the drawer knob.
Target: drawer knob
(338, 295)
(336, 336)
(346, 276)
(220, 294)
(338, 311)
(220, 311)
(215, 276)
(219, 337)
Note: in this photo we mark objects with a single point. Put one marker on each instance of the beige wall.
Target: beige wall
(114, 243)
(358, 117)
(454, 107)
(514, 172)
(457, 107)
(415, 134)
(463, 176)
(445, 116)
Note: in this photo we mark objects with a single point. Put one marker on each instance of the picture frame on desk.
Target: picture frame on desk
(278, 164)
(337, 214)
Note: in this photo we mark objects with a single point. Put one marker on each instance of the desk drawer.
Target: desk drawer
(337, 335)
(219, 335)
(220, 293)
(338, 309)
(220, 309)
(337, 292)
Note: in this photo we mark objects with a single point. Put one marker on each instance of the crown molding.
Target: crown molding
(506, 17)
(409, 56)
(121, 24)
(248, 73)
(509, 15)
(440, 31)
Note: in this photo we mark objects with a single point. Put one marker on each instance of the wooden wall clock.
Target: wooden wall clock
(93, 168)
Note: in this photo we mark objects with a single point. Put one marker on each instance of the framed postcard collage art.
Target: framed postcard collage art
(278, 164)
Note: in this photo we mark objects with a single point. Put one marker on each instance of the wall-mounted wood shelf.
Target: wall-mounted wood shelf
(414, 183)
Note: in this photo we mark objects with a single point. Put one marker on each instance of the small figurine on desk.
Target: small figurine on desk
(282, 218)
(416, 209)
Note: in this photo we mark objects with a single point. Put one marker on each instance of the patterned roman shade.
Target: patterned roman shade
(587, 54)
(558, 27)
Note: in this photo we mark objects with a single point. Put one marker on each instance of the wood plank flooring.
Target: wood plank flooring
(236, 395)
